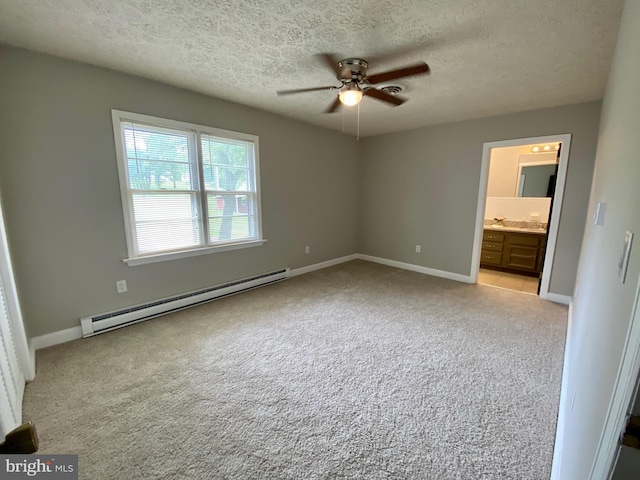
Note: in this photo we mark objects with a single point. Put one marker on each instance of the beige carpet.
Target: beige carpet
(359, 371)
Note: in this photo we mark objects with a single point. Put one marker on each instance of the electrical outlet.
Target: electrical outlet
(306, 249)
(418, 248)
(121, 286)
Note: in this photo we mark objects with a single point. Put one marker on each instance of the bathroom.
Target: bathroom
(520, 189)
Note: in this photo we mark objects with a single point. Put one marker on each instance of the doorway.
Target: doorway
(519, 205)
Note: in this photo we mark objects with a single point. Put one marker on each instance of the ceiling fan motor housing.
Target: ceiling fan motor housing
(352, 74)
(352, 69)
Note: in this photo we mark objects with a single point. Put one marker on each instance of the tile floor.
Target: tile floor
(510, 281)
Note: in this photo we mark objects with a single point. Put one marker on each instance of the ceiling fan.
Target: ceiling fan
(352, 73)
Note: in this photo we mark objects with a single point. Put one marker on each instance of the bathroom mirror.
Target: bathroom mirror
(506, 170)
(537, 179)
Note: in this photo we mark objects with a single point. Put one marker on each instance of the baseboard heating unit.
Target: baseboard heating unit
(93, 325)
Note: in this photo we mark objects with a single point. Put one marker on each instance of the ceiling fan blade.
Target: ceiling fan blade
(334, 106)
(417, 69)
(331, 62)
(303, 90)
(385, 97)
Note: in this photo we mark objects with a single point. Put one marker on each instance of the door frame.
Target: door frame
(624, 392)
(556, 208)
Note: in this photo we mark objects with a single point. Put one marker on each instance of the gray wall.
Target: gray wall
(421, 187)
(602, 305)
(60, 190)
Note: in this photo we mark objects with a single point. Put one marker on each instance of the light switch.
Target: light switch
(601, 210)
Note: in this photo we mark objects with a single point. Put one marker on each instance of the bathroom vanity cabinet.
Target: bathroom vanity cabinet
(513, 250)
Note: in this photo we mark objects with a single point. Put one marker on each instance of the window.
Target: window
(186, 189)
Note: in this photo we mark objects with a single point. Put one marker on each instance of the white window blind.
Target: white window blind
(12, 378)
(185, 186)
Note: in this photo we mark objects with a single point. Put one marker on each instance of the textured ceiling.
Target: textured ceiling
(487, 57)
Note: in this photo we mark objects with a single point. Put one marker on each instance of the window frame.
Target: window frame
(136, 258)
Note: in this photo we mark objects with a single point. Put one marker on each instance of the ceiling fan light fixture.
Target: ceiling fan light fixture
(350, 96)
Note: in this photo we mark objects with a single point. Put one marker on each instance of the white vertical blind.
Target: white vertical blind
(12, 377)
(13, 344)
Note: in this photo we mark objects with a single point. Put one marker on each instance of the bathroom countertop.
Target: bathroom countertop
(497, 228)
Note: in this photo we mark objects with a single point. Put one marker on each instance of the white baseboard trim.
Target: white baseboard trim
(556, 297)
(32, 362)
(75, 333)
(55, 338)
(319, 266)
(417, 268)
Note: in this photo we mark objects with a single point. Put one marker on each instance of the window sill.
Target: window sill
(163, 257)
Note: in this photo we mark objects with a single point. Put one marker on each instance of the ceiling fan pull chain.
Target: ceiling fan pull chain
(358, 132)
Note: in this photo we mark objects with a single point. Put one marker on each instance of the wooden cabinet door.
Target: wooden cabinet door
(521, 257)
(540, 260)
